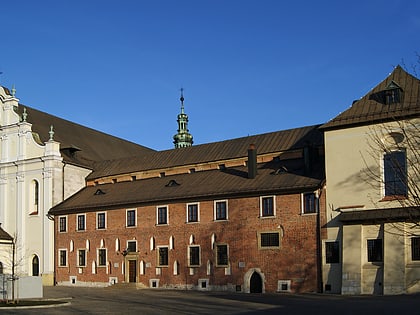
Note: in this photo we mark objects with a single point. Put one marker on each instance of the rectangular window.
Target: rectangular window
(62, 256)
(395, 174)
(270, 240)
(162, 215)
(374, 250)
(102, 257)
(415, 248)
(222, 257)
(163, 256)
(332, 252)
(131, 218)
(309, 203)
(192, 212)
(132, 246)
(81, 262)
(100, 221)
(62, 224)
(220, 210)
(267, 206)
(194, 256)
(81, 222)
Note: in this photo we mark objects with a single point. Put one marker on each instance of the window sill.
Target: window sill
(220, 220)
(162, 224)
(309, 213)
(192, 222)
(393, 197)
(373, 265)
(267, 217)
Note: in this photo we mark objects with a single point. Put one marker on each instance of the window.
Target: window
(100, 221)
(269, 240)
(34, 197)
(102, 257)
(162, 215)
(62, 256)
(163, 256)
(220, 210)
(374, 250)
(415, 248)
(192, 212)
(62, 224)
(131, 218)
(332, 252)
(309, 203)
(131, 246)
(81, 261)
(194, 256)
(81, 222)
(267, 206)
(222, 258)
(395, 174)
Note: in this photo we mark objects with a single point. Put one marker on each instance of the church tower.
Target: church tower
(183, 138)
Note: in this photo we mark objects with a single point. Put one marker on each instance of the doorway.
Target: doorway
(255, 283)
(132, 271)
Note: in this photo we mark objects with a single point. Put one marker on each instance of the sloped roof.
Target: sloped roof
(369, 109)
(195, 186)
(217, 151)
(4, 236)
(80, 145)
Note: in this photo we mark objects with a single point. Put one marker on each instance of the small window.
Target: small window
(131, 218)
(162, 215)
(267, 206)
(163, 254)
(101, 257)
(62, 256)
(131, 246)
(35, 197)
(81, 222)
(374, 250)
(332, 252)
(194, 256)
(100, 221)
(309, 203)
(415, 248)
(222, 257)
(270, 239)
(220, 210)
(81, 258)
(395, 174)
(62, 224)
(192, 212)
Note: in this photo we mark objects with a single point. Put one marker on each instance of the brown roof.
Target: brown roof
(80, 145)
(380, 215)
(218, 151)
(4, 236)
(205, 185)
(371, 108)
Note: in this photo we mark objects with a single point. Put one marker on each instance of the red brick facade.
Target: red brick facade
(295, 261)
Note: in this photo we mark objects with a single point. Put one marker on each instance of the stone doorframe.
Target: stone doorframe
(247, 279)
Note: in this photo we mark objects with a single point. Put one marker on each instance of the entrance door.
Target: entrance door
(35, 266)
(255, 283)
(132, 270)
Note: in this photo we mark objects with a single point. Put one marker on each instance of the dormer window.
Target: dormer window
(391, 95)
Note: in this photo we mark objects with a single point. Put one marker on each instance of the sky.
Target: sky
(246, 66)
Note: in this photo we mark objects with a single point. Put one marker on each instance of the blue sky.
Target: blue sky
(246, 66)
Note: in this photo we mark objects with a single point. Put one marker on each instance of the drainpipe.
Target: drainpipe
(252, 161)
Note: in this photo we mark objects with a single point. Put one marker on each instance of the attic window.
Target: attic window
(391, 95)
(99, 192)
(280, 170)
(172, 183)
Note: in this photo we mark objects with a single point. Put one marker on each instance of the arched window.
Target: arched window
(35, 266)
(34, 197)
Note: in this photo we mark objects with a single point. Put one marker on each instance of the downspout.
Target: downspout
(319, 243)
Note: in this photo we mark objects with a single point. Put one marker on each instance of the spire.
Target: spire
(183, 138)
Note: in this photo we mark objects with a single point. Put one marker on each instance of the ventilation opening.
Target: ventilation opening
(154, 283)
(284, 285)
(327, 287)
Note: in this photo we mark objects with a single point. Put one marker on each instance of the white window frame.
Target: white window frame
(198, 212)
(78, 255)
(97, 216)
(158, 256)
(106, 257)
(216, 252)
(269, 247)
(189, 256)
(133, 241)
(274, 206)
(59, 223)
(302, 203)
(135, 218)
(167, 215)
(77, 222)
(60, 250)
(215, 210)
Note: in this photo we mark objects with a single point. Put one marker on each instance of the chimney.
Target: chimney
(252, 161)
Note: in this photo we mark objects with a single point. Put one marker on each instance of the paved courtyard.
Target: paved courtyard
(148, 301)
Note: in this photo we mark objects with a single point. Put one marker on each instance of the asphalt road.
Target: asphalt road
(149, 301)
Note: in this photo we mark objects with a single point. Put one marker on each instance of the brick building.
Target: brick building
(242, 214)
